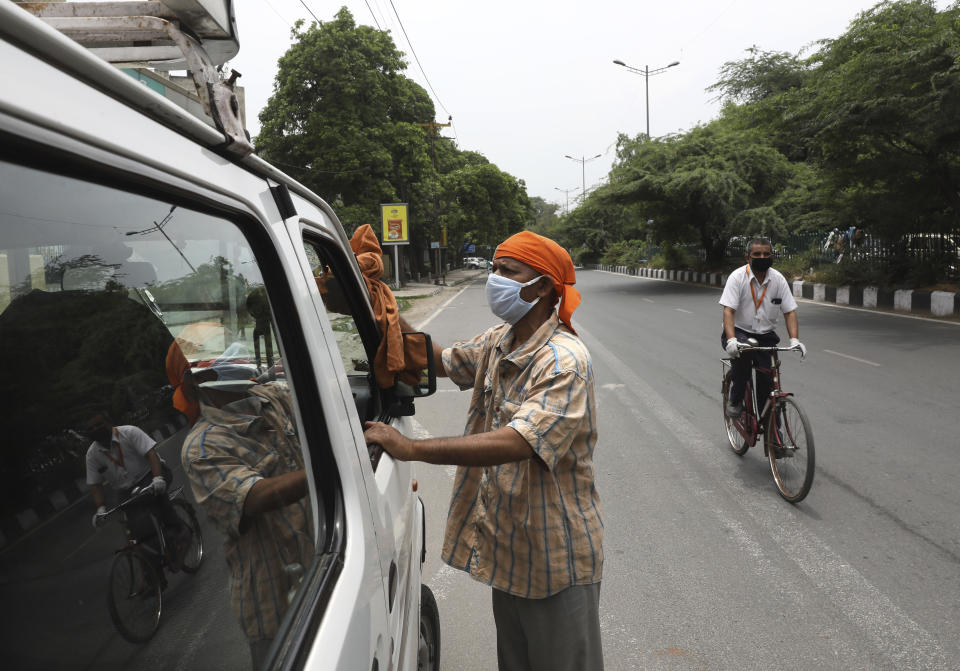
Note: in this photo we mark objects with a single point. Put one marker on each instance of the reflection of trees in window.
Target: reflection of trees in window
(214, 286)
(66, 354)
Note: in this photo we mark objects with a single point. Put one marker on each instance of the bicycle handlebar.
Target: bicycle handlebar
(743, 347)
(135, 495)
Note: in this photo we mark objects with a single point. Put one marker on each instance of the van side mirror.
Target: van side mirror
(418, 351)
(419, 379)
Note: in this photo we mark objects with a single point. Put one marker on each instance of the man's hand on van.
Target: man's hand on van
(395, 443)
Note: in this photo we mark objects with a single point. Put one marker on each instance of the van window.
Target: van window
(356, 335)
(133, 326)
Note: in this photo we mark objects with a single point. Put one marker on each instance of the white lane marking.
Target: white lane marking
(682, 310)
(612, 386)
(892, 631)
(649, 300)
(422, 325)
(852, 358)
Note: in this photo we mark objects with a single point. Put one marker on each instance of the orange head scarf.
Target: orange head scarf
(547, 257)
(177, 366)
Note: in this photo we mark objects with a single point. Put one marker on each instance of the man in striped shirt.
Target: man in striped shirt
(524, 515)
(246, 470)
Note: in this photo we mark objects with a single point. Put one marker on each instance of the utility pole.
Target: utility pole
(583, 172)
(566, 195)
(433, 132)
(646, 72)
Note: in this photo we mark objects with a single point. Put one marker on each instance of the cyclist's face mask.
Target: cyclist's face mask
(761, 264)
(99, 431)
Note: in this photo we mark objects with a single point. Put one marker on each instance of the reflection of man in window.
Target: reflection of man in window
(245, 466)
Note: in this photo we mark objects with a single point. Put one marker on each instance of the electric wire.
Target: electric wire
(267, 2)
(414, 52)
(370, 9)
(319, 22)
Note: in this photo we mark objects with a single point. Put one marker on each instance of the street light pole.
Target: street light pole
(646, 72)
(566, 195)
(583, 172)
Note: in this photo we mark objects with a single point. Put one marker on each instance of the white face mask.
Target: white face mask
(503, 296)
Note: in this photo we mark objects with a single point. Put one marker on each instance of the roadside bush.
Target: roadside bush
(861, 273)
(630, 253)
(672, 257)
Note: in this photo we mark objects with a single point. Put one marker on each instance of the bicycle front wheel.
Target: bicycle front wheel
(134, 596)
(189, 542)
(790, 449)
(737, 442)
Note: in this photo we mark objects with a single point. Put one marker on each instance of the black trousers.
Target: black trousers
(741, 366)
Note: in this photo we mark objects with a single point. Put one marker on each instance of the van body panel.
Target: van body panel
(56, 95)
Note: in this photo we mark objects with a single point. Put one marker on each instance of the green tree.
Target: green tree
(344, 120)
(885, 104)
(703, 186)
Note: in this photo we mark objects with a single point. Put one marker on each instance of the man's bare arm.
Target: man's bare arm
(437, 349)
(792, 323)
(504, 445)
(729, 314)
(276, 492)
(156, 466)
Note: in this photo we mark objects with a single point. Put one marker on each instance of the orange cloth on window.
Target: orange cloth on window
(177, 365)
(546, 257)
(392, 356)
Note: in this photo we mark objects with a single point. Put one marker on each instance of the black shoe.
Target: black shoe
(733, 410)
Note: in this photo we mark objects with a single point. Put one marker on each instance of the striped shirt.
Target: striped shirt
(226, 452)
(530, 528)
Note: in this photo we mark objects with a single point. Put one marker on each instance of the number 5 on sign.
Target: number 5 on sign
(393, 217)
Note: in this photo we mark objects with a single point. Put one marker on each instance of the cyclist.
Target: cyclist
(752, 298)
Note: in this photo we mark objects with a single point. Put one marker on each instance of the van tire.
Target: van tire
(428, 651)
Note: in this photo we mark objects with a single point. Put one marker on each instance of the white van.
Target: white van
(133, 232)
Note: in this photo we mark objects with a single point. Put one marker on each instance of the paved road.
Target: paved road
(707, 568)
(60, 603)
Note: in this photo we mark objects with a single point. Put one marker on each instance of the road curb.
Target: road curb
(909, 301)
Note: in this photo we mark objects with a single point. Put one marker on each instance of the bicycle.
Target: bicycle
(137, 581)
(789, 449)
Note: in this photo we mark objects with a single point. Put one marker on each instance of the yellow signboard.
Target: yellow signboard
(393, 217)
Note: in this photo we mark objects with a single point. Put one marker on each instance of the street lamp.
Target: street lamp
(647, 72)
(583, 172)
(566, 194)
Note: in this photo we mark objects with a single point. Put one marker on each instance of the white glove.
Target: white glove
(795, 342)
(99, 517)
(731, 348)
(158, 485)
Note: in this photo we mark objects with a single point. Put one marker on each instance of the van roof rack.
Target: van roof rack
(194, 35)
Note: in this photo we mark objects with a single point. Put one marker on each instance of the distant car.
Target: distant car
(474, 262)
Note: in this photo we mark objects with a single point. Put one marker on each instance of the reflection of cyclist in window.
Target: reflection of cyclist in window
(753, 297)
(124, 457)
(245, 465)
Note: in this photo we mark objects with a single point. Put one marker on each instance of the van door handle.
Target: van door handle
(392, 584)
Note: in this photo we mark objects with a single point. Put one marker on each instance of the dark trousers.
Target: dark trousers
(559, 633)
(741, 366)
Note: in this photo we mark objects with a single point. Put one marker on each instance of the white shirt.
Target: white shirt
(123, 462)
(773, 296)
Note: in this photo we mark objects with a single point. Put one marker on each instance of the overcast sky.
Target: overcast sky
(528, 81)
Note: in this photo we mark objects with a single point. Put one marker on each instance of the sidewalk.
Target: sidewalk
(910, 301)
(428, 288)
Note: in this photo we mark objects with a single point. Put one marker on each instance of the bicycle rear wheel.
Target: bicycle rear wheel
(133, 596)
(737, 442)
(190, 548)
(792, 454)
